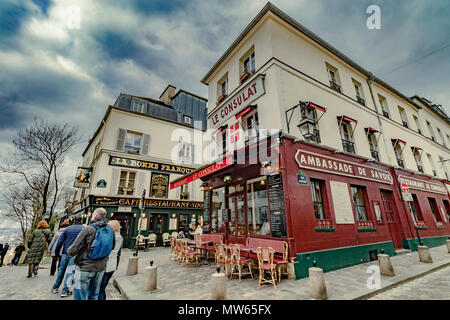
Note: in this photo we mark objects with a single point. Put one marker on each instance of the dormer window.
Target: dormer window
(138, 106)
(187, 119)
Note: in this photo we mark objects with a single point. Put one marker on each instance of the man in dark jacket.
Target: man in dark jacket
(17, 253)
(66, 263)
(3, 253)
(88, 272)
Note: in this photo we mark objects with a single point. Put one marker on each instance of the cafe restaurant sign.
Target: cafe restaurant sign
(237, 102)
(421, 185)
(150, 203)
(148, 165)
(317, 162)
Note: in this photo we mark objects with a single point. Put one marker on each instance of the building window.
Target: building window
(359, 92)
(333, 76)
(447, 208)
(359, 203)
(398, 153)
(126, 183)
(218, 216)
(257, 199)
(433, 168)
(222, 88)
(384, 106)
(317, 191)
(251, 125)
(403, 117)
(224, 140)
(415, 208)
(185, 152)
(373, 145)
(247, 65)
(434, 210)
(419, 128)
(138, 106)
(187, 119)
(442, 137)
(430, 129)
(133, 142)
(417, 157)
(347, 137)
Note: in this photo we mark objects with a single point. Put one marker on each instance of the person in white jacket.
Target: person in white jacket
(113, 259)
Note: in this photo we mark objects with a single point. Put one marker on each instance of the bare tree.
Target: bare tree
(40, 150)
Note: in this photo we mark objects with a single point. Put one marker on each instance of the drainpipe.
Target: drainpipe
(369, 83)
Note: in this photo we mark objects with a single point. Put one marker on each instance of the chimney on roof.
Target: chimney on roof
(167, 94)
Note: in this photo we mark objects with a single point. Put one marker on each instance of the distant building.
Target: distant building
(132, 151)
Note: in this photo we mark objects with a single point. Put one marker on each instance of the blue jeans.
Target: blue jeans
(87, 284)
(63, 264)
(106, 277)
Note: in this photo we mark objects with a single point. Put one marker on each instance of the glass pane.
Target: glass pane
(218, 204)
(258, 219)
(241, 215)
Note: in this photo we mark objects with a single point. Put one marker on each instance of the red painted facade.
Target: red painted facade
(305, 233)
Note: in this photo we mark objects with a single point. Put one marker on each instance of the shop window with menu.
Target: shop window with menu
(258, 217)
(359, 203)
(184, 221)
(217, 207)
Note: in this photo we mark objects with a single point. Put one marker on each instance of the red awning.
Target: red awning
(316, 106)
(218, 130)
(371, 130)
(347, 119)
(417, 148)
(398, 141)
(245, 111)
(202, 172)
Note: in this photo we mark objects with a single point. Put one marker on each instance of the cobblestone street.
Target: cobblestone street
(434, 286)
(15, 285)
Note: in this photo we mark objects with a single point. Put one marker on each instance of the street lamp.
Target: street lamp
(306, 127)
(227, 179)
(141, 207)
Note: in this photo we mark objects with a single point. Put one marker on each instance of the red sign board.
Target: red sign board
(314, 161)
(203, 172)
(428, 186)
(405, 187)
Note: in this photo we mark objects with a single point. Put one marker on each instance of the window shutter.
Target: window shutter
(121, 140)
(114, 184)
(139, 184)
(145, 144)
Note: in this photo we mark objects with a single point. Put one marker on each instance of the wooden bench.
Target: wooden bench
(281, 252)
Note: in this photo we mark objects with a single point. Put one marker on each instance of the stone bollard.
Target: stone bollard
(218, 286)
(132, 266)
(150, 278)
(448, 246)
(424, 254)
(317, 287)
(291, 271)
(385, 264)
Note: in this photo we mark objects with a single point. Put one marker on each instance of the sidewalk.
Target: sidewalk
(176, 282)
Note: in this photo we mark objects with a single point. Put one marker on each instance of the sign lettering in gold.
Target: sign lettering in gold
(152, 203)
(148, 165)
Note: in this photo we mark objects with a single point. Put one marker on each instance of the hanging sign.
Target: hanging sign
(159, 187)
(83, 178)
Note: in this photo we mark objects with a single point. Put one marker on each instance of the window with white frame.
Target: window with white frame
(251, 125)
(248, 63)
(433, 167)
(359, 92)
(185, 152)
(133, 142)
(398, 150)
(187, 119)
(333, 76)
(430, 129)
(419, 127)
(442, 137)
(403, 117)
(126, 183)
(138, 106)
(418, 159)
(346, 132)
(384, 106)
(184, 192)
(222, 88)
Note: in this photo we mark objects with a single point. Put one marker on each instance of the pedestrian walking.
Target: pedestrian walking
(92, 247)
(56, 255)
(113, 260)
(66, 264)
(37, 244)
(3, 253)
(18, 253)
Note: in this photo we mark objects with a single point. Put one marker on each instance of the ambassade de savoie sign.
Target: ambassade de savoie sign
(314, 161)
(237, 102)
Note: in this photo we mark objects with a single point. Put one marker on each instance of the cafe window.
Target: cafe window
(126, 183)
(317, 190)
(434, 209)
(415, 208)
(257, 199)
(218, 216)
(132, 142)
(183, 221)
(359, 203)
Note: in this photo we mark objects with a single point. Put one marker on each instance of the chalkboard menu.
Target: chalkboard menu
(276, 203)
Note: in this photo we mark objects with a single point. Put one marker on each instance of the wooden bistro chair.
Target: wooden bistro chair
(282, 264)
(190, 256)
(238, 262)
(179, 255)
(165, 238)
(152, 240)
(222, 257)
(174, 235)
(140, 241)
(173, 246)
(266, 265)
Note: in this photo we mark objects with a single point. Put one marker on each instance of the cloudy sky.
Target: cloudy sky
(54, 68)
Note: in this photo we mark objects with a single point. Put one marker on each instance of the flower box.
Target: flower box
(244, 76)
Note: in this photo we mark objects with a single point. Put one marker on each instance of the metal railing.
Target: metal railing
(348, 146)
(405, 124)
(374, 154)
(386, 114)
(401, 163)
(315, 137)
(361, 101)
(335, 86)
(420, 168)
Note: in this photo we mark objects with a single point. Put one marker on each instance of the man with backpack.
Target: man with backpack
(91, 247)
